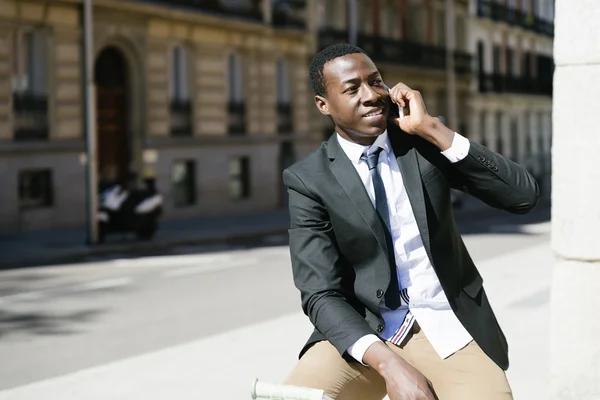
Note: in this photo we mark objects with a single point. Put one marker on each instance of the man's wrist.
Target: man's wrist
(381, 358)
(436, 133)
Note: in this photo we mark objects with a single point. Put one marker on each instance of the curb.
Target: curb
(134, 248)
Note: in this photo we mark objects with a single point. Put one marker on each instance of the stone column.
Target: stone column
(575, 325)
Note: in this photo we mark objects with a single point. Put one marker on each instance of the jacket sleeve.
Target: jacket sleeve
(495, 180)
(318, 268)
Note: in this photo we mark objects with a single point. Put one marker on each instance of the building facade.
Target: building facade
(511, 106)
(421, 43)
(485, 65)
(209, 101)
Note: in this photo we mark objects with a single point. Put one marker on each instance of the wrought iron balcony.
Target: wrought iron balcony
(237, 118)
(463, 62)
(181, 118)
(289, 14)
(498, 83)
(249, 9)
(30, 116)
(284, 119)
(390, 50)
(501, 13)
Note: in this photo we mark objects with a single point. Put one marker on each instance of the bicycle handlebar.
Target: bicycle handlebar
(263, 390)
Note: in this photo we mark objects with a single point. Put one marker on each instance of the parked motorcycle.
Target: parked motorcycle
(122, 210)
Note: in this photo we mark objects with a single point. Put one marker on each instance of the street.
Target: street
(200, 322)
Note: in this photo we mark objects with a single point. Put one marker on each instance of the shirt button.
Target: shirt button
(379, 293)
(380, 328)
(481, 158)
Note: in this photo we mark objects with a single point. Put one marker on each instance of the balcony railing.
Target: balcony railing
(509, 84)
(30, 116)
(237, 118)
(284, 20)
(390, 50)
(400, 51)
(290, 14)
(501, 13)
(245, 10)
(181, 118)
(463, 62)
(284, 118)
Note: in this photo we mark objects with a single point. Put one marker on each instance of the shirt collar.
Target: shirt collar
(355, 150)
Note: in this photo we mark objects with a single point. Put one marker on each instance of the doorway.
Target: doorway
(113, 139)
(286, 159)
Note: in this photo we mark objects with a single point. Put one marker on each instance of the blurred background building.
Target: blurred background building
(210, 99)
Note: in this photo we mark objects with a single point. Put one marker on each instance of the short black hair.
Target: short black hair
(315, 69)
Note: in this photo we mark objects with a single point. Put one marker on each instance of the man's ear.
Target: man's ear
(322, 105)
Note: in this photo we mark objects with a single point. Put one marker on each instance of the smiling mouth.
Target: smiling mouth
(374, 114)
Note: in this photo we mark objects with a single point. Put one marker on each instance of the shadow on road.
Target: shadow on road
(41, 323)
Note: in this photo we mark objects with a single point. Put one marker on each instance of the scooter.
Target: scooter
(122, 210)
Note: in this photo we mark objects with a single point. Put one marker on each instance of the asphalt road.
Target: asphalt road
(62, 319)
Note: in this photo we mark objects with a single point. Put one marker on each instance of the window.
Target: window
(461, 33)
(35, 188)
(499, 143)
(509, 62)
(239, 177)
(440, 26)
(183, 178)
(284, 109)
(363, 14)
(481, 57)
(236, 96)
(496, 59)
(482, 129)
(179, 83)
(30, 104)
(416, 23)
(390, 22)
(526, 64)
(514, 140)
(542, 133)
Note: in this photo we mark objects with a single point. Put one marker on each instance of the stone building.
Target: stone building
(511, 105)
(408, 40)
(211, 101)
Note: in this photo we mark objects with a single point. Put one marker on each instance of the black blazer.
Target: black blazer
(339, 250)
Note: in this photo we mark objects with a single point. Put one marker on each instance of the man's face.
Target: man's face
(356, 98)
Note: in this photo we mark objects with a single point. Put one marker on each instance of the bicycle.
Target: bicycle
(271, 391)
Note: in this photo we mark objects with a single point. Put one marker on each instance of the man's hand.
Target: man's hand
(418, 121)
(402, 380)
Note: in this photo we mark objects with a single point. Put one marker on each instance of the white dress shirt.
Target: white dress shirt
(428, 303)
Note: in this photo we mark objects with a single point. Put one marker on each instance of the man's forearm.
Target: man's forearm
(436, 133)
(381, 358)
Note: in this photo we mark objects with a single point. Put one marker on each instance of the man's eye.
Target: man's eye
(351, 89)
(377, 82)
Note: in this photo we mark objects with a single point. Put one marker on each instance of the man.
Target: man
(396, 301)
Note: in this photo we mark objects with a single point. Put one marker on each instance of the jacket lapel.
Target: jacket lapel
(348, 178)
(406, 155)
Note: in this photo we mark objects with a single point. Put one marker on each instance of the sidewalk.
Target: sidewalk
(68, 245)
(60, 246)
(222, 366)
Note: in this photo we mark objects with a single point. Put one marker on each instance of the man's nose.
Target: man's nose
(370, 94)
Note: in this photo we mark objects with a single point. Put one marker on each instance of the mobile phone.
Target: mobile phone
(395, 111)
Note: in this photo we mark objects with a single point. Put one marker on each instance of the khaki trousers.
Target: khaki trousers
(468, 374)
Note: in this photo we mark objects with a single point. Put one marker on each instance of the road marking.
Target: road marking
(166, 261)
(217, 266)
(540, 228)
(105, 284)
